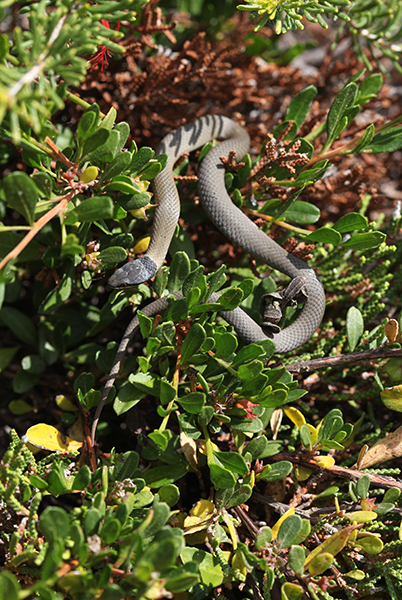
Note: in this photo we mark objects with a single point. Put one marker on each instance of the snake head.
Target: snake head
(133, 273)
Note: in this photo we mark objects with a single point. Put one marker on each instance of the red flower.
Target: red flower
(246, 404)
(103, 54)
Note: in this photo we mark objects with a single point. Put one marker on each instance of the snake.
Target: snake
(232, 222)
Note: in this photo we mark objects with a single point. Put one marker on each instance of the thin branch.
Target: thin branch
(38, 226)
(344, 359)
(337, 471)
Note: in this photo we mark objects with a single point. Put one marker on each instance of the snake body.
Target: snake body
(231, 221)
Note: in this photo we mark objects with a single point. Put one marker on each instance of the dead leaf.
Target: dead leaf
(189, 447)
(383, 450)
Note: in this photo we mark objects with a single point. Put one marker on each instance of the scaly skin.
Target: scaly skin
(232, 222)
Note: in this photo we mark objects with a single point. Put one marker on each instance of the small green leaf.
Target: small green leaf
(364, 141)
(209, 568)
(356, 574)
(82, 479)
(363, 486)
(305, 437)
(350, 222)
(140, 159)
(231, 299)
(263, 538)
(7, 355)
(109, 533)
(232, 461)
(302, 213)
(127, 397)
(257, 447)
(331, 424)
(54, 523)
(92, 520)
(88, 123)
(277, 471)
(33, 363)
(118, 165)
(221, 477)
(111, 256)
(169, 494)
(92, 209)
(343, 101)
(320, 563)
(387, 140)
(250, 370)
(300, 105)
(9, 586)
(392, 495)
(226, 345)
(371, 545)
(19, 407)
(193, 342)
(95, 140)
(179, 271)
(193, 402)
(297, 556)
(365, 241)
(311, 175)
(291, 591)
(21, 325)
(354, 327)
(326, 235)
(369, 88)
(21, 194)
(289, 530)
(44, 183)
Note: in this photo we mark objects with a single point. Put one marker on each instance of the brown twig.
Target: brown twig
(60, 206)
(342, 360)
(337, 471)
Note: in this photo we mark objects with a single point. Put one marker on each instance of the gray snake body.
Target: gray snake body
(231, 221)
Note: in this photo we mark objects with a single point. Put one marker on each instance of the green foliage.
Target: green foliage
(213, 401)
(124, 540)
(288, 15)
(56, 42)
(375, 25)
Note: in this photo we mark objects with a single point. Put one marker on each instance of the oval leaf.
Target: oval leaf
(354, 326)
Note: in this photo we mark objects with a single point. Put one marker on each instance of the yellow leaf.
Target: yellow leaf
(142, 245)
(89, 174)
(201, 516)
(276, 527)
(361, 516)
(333, 544)
(355, 574)
(189, 447)
(47, 437)
(301, 473)
(202, 508)
(392, 398)
(295, 416)
(238, 564)
(202, 447)
(370, 545)
(320, 563)
(313, 433)
(65, 404)
(325, 462)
